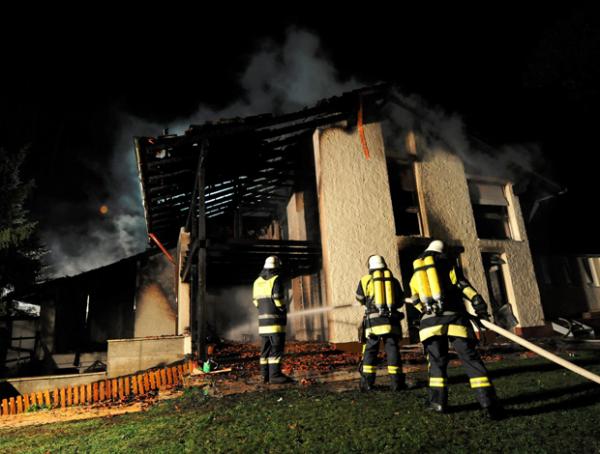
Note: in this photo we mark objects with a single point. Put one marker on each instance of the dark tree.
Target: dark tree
(20, 251)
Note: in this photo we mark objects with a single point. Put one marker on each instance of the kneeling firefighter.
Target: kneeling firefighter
(381, 294)
(267, 296)
(437, 291)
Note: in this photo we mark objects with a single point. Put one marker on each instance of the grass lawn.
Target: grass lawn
(549, 410)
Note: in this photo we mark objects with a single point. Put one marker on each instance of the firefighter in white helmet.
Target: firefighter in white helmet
(268, 297)
(438, 288)
(380, 292)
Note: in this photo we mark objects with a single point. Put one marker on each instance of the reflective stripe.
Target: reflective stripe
(480, 382)
(438, 382)
(379, 330)
(263, 361)
(271, 329)
(255, 302)
(469, 292)
(393, 369)
(443, 330)
(278, 302)
(458, 331)
(274, 360)
(268, 316)
(453, 278)
(367, 369)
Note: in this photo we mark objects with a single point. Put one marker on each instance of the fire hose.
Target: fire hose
(540, 351)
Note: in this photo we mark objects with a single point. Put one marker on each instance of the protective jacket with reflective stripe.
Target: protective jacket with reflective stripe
(267, 296)
(381, 294)
(454, 320)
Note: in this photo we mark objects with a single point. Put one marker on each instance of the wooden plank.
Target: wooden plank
(180, 372)
(40, 398)
(159, 382)
(19, 402)
(126, 387)
(185, 367)
(47, 399)
(115, 389)
(140, 381)
(76, 395)
(152, 380)
(32, 399)
(56, 398)
(146, 382)
(174, 374)
(12, 406)
(102, 391)
(63, 398)
(26, 403)
(82, 394)
(169, 377)
(88, 393)
(121, 393)
(108, 390)
(5, 407)
(134, 386)
(95, 395)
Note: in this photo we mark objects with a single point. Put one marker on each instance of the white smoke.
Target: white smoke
(449, 132)
(278, 78)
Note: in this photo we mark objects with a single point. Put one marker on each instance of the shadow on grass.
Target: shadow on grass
(577, 396)
(523, 369)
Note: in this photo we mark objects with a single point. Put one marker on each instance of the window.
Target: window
(491, 210)
(405, 200)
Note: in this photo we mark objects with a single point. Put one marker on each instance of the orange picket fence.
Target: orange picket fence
(110, 389)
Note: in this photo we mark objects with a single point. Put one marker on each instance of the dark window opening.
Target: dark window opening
(494, 275)
(490, 209)
(405, 200)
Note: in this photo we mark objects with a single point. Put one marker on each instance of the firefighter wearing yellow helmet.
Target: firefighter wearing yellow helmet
(381, 294)
(268, 297)
(438, 289)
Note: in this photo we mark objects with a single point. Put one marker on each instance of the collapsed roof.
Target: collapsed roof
(251, 164)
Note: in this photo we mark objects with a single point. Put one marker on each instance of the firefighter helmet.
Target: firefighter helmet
(272, 262)
(376, 262)
(435, 246)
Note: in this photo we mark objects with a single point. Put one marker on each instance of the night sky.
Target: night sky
(515, 76)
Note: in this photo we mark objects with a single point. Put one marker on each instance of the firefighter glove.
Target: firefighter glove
(480, 308)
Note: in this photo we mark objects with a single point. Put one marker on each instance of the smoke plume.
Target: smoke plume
(278, 78)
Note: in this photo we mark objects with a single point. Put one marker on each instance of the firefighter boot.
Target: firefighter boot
(492, 409)
(398, 382)
(276, 377)
(438, 400)
(367, 382)
(264, 370)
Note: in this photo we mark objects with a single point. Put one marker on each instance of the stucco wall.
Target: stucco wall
(356, 218)
(155, 307)
(449, 216)
(183, 288)
(126, 356)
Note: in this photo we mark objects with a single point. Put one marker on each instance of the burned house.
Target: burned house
(323, 188)
(77, 315)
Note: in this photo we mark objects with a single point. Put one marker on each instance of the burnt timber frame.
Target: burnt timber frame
(222, 168)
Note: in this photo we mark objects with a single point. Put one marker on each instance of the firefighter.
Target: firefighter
(381, 294)
(437, 291)
(267, 296)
